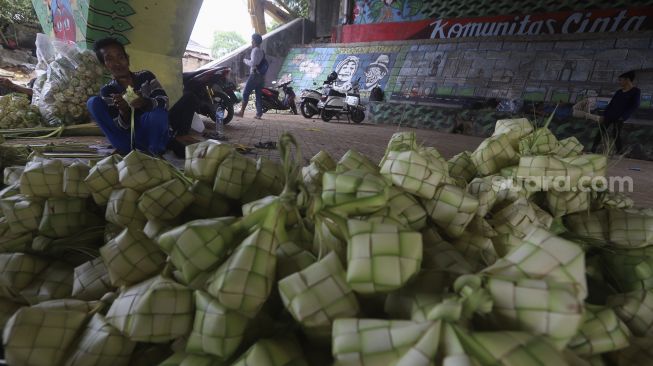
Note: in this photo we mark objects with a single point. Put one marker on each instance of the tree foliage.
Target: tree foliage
(271, 25)
(300, 7)
(17, 12)
(225, 42)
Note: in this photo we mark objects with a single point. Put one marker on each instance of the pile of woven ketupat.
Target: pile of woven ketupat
(412, 261)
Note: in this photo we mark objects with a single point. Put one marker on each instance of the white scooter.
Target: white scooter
(310, 98)
(335, 103)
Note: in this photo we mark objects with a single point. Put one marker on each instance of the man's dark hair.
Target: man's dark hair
(630, 75)
(105, 42)
(257, 39)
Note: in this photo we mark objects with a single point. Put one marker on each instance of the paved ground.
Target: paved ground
(338, 137)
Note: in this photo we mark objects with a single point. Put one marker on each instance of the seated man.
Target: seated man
(113, 113)
(622, 105)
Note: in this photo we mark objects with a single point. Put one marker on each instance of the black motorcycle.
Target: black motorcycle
(211, 89)
(271, 96)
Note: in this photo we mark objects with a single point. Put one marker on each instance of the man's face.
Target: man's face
(374, 75)
(623, 82)
(347, 71)
(116, 61)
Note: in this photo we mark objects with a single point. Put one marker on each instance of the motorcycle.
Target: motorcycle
(271, 96)
(310, 98)
(334, 103)
(211, 89)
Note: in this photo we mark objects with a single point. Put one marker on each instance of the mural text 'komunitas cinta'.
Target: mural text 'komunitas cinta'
(542, 24)
(569, 22)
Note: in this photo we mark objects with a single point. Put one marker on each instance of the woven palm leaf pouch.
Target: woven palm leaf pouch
(74, 177)
(43, 179)
(493, 154)
(244, 282)
(216, 330)
(514, 129)
(91, 280)
(353, 160)
(354, 192)
(318, 295)
(204, 158)
(198, 246)
(381, 257)
(11, 174)
(155, 310)
(235, 175)
(131, 257)
(122, 209)
(102, 179)
(165, 201)
(22, 214)
(141, 172)
(100, 344)
(64, 217)
(38, 336)
(462, 167)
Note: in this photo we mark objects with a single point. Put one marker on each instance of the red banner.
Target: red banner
(590, 21)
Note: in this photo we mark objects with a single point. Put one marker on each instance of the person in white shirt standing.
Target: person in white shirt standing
(257, 68)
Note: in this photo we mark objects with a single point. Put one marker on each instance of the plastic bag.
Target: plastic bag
(66, 77)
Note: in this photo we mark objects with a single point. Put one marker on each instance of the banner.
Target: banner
(570, 22)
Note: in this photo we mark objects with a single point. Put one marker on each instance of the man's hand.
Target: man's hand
(141, 103)
(121, 104)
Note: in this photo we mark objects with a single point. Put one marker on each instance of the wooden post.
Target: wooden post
(276, 13)
(257, 15)
(287, 9)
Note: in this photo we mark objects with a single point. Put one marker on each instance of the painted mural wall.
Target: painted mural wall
(380, 11)
(155, 32)
(369, 66)
(460, 72)
(465, 85)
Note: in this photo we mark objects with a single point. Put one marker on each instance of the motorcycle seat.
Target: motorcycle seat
(187, 76)
(335, 93)
(270, 90)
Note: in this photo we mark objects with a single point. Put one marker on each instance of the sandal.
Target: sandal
(270, 145)
(243, 149)
(215, 136)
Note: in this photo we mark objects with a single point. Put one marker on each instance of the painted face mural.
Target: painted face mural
(63, 21)
(346, 70)
(376, 71)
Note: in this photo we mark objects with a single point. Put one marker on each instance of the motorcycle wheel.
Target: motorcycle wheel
(357, 116)
(326, 115)
(307, 109)
(293, 108)
(228, 107)
(229, 113)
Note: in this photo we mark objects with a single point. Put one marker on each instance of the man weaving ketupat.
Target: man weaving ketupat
(113, 113)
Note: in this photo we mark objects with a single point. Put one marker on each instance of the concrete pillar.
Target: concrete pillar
(325, 14)
(155, 32)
